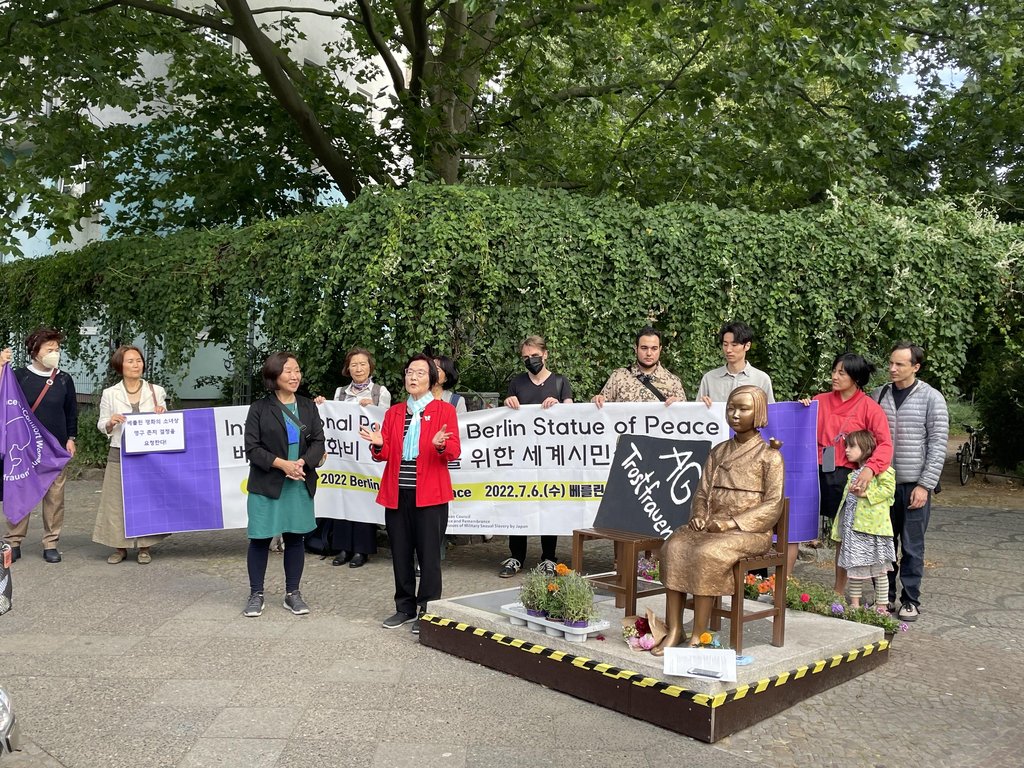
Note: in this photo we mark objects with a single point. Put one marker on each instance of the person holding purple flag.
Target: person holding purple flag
(50, 394)
(33, 461)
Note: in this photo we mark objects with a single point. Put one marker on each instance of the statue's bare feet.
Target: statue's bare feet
(672, 639)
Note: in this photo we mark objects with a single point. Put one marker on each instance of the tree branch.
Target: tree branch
(314, 11)
(420, 46)
(436, 7)
(265, 56)
(393, 67)
(195, 19)
(665, 89)
(537, 20)
(806, 97)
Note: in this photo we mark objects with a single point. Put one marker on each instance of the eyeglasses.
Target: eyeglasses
(411, 373)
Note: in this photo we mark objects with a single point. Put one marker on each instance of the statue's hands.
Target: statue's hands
(718, 526)
(697, 524)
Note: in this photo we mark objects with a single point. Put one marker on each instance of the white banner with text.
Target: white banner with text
(529, 471)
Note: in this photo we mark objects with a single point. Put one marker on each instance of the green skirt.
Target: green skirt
(292, 513)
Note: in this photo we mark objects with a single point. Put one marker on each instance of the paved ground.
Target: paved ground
(154, 665)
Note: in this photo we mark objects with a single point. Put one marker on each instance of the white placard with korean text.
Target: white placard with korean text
(154, 433)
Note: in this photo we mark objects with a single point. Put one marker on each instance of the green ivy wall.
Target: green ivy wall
(470, 271)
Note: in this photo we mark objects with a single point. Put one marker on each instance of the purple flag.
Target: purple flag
(32, 457)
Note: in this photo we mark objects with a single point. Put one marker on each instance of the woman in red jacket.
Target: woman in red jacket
(417, 440)
(845, 409)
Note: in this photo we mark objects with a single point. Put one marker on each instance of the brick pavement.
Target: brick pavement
(129, 664)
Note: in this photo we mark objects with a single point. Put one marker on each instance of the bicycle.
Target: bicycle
(968, 455)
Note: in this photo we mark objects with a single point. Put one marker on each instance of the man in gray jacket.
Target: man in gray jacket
(919, 423)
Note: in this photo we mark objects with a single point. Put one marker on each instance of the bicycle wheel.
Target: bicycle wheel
(966, 456)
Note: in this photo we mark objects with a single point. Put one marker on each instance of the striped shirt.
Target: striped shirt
(407, 471)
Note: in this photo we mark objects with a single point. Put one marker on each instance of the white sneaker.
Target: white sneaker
(509, 568)
(909, 612)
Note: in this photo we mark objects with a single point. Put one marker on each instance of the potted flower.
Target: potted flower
(533, 593)
(553, 598)
(758, 587)
(576, 595)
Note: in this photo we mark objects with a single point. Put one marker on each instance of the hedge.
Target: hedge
(469, 271)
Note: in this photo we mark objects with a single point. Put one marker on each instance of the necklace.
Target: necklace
(135, 391)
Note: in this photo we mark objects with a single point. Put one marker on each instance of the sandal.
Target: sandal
(144, 557)
(117, 557)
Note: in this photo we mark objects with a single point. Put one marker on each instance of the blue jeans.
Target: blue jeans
(908, 529)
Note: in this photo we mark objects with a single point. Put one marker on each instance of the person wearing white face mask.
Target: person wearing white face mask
(51, 392)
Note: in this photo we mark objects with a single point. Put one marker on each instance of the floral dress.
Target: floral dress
(863, 555)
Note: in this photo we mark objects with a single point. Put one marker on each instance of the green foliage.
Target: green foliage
(739, 104)
(816, 598)
(533, 591)
(1001, 405)
(91, 447)
(570, 596)
(961, 413)
(971, 102)
(470, 271)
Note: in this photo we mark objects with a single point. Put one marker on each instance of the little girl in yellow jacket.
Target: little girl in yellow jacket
(863, 526)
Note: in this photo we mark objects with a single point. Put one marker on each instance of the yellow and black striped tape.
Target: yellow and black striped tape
(669, 689)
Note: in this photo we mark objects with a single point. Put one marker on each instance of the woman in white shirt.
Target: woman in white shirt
(132, 394)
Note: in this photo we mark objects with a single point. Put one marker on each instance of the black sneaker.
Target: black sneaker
(416, 624)
(254, 606)
(293, 602)
(394, 622)
(509, 568)
(548, 566)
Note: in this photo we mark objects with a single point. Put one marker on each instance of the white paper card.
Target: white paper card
(684, 662)
(154, 432)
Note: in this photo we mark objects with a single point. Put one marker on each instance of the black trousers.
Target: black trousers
(517, 548)
(415, 531)
(830, 490)
(294, 560)
(355, 537)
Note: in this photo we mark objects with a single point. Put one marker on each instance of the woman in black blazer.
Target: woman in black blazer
(284, 442)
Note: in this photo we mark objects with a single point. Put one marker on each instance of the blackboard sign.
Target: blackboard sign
(651, 484)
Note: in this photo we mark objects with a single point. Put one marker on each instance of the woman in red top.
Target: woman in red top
(844, 410)
(417, 440)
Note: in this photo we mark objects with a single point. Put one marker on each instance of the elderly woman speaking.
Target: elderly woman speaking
(417, 440)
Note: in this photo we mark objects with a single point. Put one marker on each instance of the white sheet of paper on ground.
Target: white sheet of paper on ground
(681, 661)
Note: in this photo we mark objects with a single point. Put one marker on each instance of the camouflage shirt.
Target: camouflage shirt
(623, 386)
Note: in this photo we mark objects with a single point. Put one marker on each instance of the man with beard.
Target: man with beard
(645, 381)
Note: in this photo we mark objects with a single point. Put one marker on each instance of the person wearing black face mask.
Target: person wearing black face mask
(538, 386)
